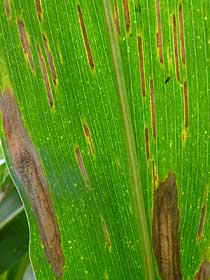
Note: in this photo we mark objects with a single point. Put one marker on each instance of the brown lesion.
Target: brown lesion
(176, 48)
(152, 97)
(28, 170)
(39, 9)
(24, 42)
(147, 141)
(141, 63)
(181, 26)
(88, 137)
(186, 113)
(165, 229)
(159, 32)
(126, 15)
(7, 8)
(106, 234)
(85, 36)
(45, 76)
(204, 271)
(82, 166)
(201, 224)
(116, 17)
(154, 175)
(50, 60)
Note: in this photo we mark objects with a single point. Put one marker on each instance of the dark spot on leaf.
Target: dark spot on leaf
(167, 80)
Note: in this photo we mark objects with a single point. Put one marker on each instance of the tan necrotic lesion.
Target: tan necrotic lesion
(7, 8)
(39, 9)
(126, 15)
(45, 76)
(28, 170)
(25, 42)
(50, 60)
(165, 229)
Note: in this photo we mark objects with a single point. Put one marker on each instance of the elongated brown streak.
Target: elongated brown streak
(7, 7)
(126, 15)
(141, 63)
(176, 48)
(202, 218)
(165, 229)
(116, 19)
(85, 36)
(29, 172)
(89, 138)
(106, 234)
(24, 42)
(186, 113)
(152, 97)
(38, 9)
(147, 141)
(181, 26)
(82, 166)
(159, 33)
(45, 76)
(50, 59)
